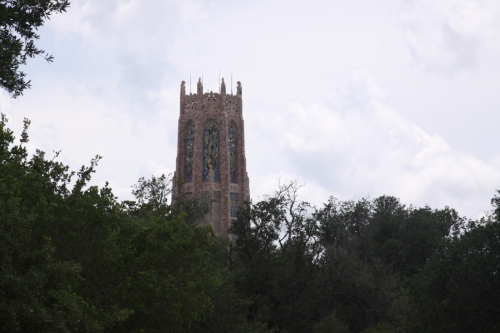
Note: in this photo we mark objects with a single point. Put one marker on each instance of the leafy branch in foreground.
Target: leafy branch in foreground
(19, 21)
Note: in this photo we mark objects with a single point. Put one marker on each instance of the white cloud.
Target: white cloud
(82, 125)
(360, 147)
(448, 35)
(310, 113)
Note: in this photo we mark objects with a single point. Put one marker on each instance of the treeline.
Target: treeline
(367, 266)
(75, 259)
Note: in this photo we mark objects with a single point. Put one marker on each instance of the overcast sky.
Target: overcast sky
(353, 98)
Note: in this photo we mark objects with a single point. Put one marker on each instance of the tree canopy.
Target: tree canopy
(74, 258)
(366, 266)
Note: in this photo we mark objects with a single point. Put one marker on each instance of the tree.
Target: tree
(276, 252)
(330, 324)
(72, 258)
(370, 248)
(167, 275)
(230, 307)
(459, 289)
(152, 199)
(38, 291)
(19, 20)
(355, 284)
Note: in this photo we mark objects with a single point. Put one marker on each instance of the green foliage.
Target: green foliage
(300, 264)
(330, 324)
(459, 289)
(229, 306)
(166, 275)
(19, 20)
(38, 291)
(380, 328)
(74, 259)
(275, 264)
(154, 191)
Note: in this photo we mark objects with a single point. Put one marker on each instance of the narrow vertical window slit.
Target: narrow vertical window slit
(232, 154)
(189, 153)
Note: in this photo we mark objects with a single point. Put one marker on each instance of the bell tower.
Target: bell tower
(211, 153)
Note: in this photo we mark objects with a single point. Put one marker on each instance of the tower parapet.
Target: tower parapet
(211, 153)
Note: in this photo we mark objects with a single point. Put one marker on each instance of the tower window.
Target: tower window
(189, 153)
(232, 154)
(211, 143)
(235, 204)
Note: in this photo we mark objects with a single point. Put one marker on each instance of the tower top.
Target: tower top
(199, 88)
(211, 101)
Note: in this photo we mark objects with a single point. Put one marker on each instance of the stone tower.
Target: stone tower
(211, 153)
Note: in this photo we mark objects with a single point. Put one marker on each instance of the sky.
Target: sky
(353, 98)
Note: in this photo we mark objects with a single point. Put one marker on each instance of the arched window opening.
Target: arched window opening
(232, 154)
(189, 153)
(211, 144)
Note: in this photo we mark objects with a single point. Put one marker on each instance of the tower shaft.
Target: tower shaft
(211, 153)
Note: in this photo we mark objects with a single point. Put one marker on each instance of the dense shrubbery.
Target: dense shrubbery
(73, 258)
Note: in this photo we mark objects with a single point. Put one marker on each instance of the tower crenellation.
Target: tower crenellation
(211, 152)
